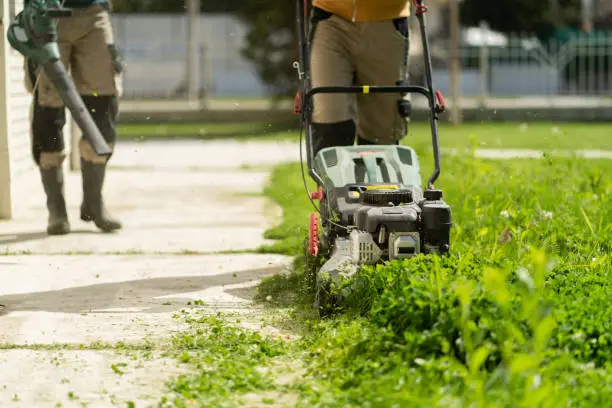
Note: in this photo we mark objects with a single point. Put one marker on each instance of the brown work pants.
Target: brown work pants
(83, 44)
(344, 53)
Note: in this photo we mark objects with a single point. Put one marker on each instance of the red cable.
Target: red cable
(313, 235)
(420, 8)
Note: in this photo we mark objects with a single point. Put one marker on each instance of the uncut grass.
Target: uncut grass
(517, 315)
(506, 135)
(245, 131)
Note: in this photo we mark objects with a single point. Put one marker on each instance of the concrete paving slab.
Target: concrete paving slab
(80, 299)
(29, 274)
(87, 287)
(167, 211)
(217, 154)
(70, 378)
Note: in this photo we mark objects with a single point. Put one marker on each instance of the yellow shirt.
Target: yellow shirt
(365, 10)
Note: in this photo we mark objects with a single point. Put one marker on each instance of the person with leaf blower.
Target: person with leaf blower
(358, 42)
(86, 46)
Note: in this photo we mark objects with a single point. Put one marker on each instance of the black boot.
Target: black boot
(93, 208)
(326, 135)
(364, 142)
(53, 183)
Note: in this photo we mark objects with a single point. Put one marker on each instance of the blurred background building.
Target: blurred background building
(561, 47)
(231, 60)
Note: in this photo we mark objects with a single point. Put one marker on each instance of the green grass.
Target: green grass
(205, 131)
(514, 135)
(227, 362)
(540, 135)
(517, 315)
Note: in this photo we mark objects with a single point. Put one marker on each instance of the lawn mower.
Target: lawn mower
(33, 33)
(371, 206)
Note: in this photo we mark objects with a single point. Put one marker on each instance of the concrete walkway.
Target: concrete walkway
(182, 206)
(534, 154)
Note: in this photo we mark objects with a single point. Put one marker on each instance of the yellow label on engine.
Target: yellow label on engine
(354, 194)
(383, 187)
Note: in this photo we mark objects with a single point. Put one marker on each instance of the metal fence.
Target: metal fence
(493, 67)
(580, 65)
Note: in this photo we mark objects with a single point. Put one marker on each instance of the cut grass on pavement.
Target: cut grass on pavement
(507, 135)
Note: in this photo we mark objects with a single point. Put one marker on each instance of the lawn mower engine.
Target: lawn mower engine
(372, 210)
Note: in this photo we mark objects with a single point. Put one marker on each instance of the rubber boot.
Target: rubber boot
(53, 183)
(326, 135)
(364, 142)
(92, 208)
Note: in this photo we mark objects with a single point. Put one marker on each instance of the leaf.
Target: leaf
(522, 362)
(495, 283)
(588, 221)
(117, 368)
(464, 292)
(478, 358)
(543, 332)
(525, 278)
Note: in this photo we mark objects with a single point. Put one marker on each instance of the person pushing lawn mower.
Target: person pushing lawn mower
(86, 47)
(358, 42)
(370, 205)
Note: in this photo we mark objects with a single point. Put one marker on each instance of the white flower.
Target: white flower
(505, 214)
(547, 215)
(537, 381)
(268, 298)
(525, 277)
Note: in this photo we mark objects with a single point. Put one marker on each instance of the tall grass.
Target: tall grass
(518, 314)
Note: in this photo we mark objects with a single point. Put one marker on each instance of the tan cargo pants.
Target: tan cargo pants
(368, 53)
(83, 44)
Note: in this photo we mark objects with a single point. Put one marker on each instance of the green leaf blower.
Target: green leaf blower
(33, 34)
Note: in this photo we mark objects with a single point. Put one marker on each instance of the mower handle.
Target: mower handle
(438, 104)
(368, 89)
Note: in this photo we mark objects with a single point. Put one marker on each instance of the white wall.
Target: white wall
(155, 53)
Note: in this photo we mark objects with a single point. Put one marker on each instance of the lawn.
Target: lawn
(539, 135)
(518, 315)
(205, 131)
